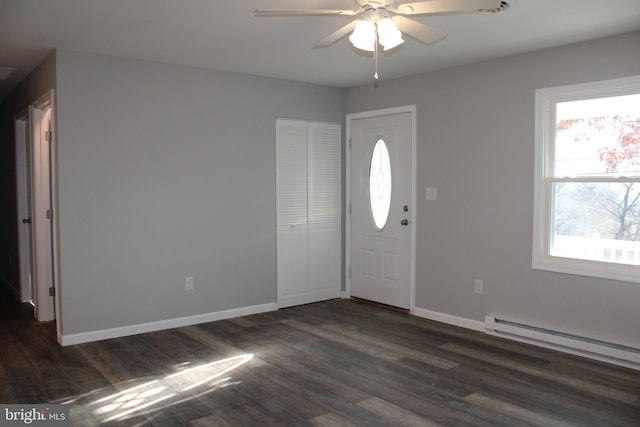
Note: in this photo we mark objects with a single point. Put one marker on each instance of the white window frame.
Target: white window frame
(545, 110)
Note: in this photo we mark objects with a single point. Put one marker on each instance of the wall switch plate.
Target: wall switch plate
(188, 283)
(431, 193)
(478, 286)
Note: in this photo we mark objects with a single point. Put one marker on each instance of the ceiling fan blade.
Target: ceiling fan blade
(432, 7)
(305, 12)
(336, 35)
(418, 31)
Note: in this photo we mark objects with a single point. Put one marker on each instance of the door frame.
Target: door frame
(411, 109)
(49, 235)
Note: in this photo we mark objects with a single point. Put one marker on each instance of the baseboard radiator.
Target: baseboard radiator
(557, 340)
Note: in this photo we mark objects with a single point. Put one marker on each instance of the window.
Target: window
(587, 188)
(380, 185)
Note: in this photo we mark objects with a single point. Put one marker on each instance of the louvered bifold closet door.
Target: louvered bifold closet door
(325, 204)
(308, 211)
(292, 211)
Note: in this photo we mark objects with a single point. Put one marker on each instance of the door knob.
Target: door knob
(404, 222)
(26, 220)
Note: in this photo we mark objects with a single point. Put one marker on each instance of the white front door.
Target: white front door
(382, 206)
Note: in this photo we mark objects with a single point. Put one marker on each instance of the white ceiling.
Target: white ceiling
(225, 35)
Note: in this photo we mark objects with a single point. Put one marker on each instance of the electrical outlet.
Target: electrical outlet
(188, 283)
(478, 286)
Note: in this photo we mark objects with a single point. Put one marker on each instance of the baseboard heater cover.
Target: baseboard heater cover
(614, 353)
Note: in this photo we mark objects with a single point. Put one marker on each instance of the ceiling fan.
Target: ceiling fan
(383, 22)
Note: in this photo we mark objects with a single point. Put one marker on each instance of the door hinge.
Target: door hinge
(349, 143)
(349, 207)
(47, 136)
(349, 272)
(52, 291)
(50, 214)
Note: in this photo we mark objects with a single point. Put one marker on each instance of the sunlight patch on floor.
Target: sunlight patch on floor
(159, 393)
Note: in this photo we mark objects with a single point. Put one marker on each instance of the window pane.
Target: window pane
(598, 137)
(596, 221)
(380, 185)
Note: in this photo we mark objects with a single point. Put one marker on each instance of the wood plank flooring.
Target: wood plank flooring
(335, 363)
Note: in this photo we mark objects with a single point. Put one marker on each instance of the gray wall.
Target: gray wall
(476, 145)
(40, 81)
(167, 172)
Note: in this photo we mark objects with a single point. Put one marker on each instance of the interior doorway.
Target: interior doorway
(35, 188)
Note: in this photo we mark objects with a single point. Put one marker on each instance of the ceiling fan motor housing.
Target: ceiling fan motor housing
(375, 3)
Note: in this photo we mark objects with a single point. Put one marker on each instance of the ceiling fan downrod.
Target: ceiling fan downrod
(375, 59)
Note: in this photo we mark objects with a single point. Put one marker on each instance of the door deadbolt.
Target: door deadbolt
(404, 222)
(405, 208)
(26, 220)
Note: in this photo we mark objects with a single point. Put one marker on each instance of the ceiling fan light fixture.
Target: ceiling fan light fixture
(364, 36)
(374, 25)
(388, 34)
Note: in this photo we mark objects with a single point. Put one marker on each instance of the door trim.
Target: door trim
(52, 308)
(411, 109)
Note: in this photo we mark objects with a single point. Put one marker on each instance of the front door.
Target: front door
(382, 206)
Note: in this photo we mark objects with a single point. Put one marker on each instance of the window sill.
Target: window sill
(602, 270)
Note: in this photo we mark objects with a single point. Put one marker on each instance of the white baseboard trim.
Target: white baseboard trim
(142, 328)
(449, 319)
(481, 327)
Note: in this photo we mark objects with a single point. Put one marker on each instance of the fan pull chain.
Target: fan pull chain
(375, 56)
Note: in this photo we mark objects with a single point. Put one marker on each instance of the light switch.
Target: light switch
(431, 193)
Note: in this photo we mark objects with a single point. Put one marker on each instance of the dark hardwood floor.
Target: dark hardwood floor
(335, 363)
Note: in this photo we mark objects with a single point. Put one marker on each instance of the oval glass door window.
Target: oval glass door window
(380, 185)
